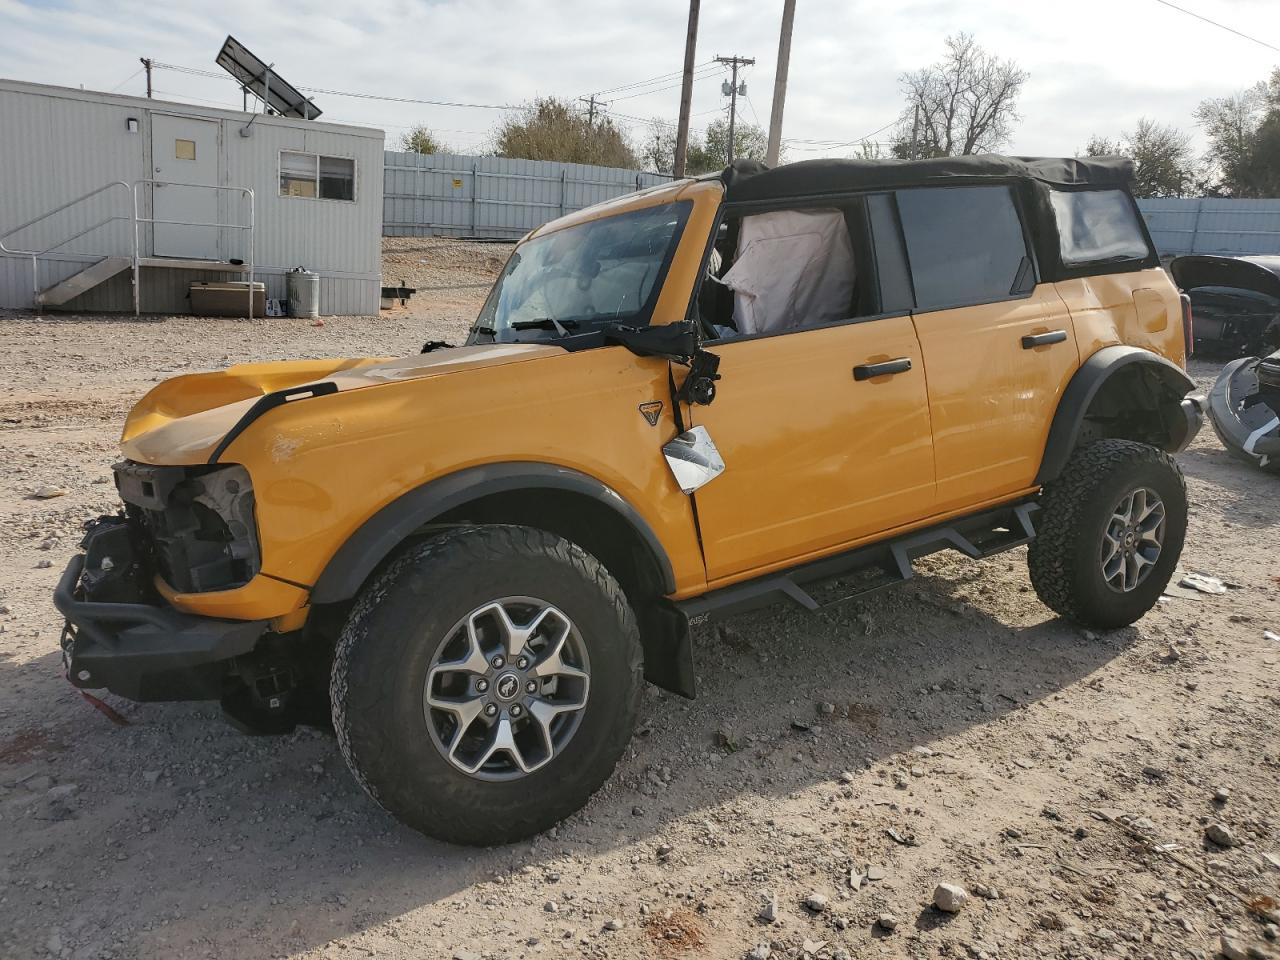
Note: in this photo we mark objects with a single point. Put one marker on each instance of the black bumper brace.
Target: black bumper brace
(146, 652)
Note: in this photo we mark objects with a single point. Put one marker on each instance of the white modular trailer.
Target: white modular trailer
(95, 170)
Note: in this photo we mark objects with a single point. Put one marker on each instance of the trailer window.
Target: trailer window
(317, 177)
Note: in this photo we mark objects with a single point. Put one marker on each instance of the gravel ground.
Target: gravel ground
(835, 770)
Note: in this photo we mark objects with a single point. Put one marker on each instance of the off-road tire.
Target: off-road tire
(1075, 509)
(384, 652)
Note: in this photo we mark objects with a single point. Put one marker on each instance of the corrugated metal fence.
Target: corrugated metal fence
(1213, 226)
(452, 195)
(449, 195)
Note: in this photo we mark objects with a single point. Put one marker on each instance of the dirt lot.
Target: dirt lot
(949, 731)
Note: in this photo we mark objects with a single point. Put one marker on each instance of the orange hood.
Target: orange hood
(181, 421)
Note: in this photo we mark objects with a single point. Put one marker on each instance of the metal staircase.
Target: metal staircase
(101, 270)
(86, 279)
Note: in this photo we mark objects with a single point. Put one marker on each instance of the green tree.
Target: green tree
(1102, 147)
(420, 139)
(548, 128)
(750, 142)
(1164, 165)
(1232, 124)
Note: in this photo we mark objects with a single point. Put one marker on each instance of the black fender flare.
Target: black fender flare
(1090, 378)
(373, 542)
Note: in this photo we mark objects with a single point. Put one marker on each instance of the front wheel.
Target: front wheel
(486, 683)
(1109, 533)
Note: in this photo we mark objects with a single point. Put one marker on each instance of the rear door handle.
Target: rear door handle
(1033, 340)
(865, 371)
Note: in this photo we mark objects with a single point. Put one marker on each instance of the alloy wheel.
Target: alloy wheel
(1132, 540)
(506, 689)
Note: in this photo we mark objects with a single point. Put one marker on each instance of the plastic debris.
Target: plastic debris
(1203, 582)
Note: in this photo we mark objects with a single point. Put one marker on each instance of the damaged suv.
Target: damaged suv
(766, 385)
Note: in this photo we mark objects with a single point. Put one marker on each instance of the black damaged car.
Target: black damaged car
(1235, 302)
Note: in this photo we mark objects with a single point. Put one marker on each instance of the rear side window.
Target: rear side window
(965, 245)
(1097, 226)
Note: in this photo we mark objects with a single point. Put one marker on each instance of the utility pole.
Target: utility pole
(686, 92)
(780, 83)
(735, 62)
(146, 63)
(592, 103)
(915, 133)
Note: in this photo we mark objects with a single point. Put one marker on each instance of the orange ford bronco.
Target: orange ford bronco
(696, 398)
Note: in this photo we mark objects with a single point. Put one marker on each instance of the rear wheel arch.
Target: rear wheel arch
(1120, 392)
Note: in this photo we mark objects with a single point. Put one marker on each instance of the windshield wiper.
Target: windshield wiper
(484, 331)
(561, 327)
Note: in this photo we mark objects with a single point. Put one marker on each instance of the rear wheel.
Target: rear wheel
(1109, 534)
(486, 683)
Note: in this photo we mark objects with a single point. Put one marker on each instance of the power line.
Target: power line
(1220, 26)
(344, 93)
(842, 143)
(717, 72)
(126, 80)
(641, 83)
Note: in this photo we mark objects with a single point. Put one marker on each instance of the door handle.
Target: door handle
(1033, 340)
(865, 371)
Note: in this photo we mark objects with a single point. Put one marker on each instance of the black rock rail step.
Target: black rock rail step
(873, 567)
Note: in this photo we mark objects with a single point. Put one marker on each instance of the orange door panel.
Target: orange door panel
(996, 372)
(813, 457)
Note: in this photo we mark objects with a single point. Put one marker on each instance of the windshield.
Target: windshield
(579, 279)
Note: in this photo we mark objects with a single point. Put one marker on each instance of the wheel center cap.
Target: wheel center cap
(507, 686)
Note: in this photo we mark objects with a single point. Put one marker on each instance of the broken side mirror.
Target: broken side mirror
(700, 384)
(675, 341)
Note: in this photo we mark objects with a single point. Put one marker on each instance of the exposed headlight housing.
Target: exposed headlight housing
(197, 522)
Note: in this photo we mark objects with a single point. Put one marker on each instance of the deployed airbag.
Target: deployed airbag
(793, 268)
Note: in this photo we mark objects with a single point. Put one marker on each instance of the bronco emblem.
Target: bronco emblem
(651, 411)
(508, 686)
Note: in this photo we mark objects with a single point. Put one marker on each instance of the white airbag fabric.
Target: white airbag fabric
(793, 268)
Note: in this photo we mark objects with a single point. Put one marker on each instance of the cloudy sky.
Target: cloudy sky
(1096, 66)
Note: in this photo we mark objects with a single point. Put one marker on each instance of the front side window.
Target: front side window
(965, 244)
(1097, 226)
(579, 279)
(317, 177)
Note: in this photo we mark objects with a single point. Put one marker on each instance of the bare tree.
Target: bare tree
(420, 139)
(965, 103)
(658, 148)
(552, 129)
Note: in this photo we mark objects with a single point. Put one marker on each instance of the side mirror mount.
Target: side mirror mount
(675, 341)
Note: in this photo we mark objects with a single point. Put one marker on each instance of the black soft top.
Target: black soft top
(749, 180)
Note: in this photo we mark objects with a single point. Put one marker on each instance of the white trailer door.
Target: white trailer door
(184, 153)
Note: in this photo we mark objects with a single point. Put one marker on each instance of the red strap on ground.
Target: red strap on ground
(107, 710)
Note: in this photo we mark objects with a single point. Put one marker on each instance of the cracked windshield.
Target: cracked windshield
(578, 279)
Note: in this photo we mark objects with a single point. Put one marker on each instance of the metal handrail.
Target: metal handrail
(138, 220)
(36, 255)
(55, 210)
